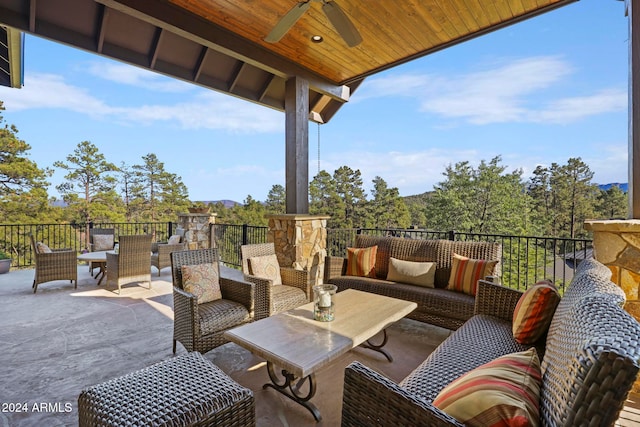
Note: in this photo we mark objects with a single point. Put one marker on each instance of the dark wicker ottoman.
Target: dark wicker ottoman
(187, 390)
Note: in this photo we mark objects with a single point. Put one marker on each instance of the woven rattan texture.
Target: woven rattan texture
(132, 263)
(187, 390)
(162, 257)
(95, 232)
(200, 327)
(59, 264)
(271, 299)
(495, 300)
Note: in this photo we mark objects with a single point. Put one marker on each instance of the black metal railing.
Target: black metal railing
(525, 259)
(14, 238)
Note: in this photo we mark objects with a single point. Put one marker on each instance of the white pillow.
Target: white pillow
(411, 272)
(175, 239)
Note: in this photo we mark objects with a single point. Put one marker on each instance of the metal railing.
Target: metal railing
(525, 259)
(14, 238)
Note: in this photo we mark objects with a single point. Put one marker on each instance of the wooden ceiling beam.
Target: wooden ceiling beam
(155, 47)
(102, 27)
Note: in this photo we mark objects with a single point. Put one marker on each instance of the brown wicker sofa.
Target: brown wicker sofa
(438, 306)
(589, 359)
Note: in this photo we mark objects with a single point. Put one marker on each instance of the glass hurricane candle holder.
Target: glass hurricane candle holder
(323, 302)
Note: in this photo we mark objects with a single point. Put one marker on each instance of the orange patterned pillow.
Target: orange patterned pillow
(534, 312)
(465, 273)
(362, 261)
(503, 392)
(202, 280)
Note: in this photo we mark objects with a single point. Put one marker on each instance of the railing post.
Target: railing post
(245, 229)
(359, 231)
(452, 235)
(170, 229)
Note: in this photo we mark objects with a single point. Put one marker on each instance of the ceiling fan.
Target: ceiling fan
(331, 9)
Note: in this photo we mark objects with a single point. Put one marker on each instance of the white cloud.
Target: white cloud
(506, 92)
(138, 77)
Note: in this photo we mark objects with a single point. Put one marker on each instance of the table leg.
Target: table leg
(102, 272)
(378, 347)
(291, 386)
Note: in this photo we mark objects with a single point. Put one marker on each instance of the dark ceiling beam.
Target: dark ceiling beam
(102, 27)
(200, 63)
(189, 26)
(266, 87)
(32, 16)
(155, 47)
(236, 76)
(634, 108)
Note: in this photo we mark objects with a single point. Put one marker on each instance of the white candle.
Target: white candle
(325, 300)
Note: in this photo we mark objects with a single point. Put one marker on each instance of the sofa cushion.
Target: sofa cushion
(266, 267)
(411, 272)
(480, 340)
(505, 391)
(102, 242)
(202, 280)
(42, 248)
(465, 273)
(534, 312)
(361, 261)
(174, 240)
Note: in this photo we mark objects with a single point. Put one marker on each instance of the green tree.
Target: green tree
(387, 209)
(276, 200)
(612, 203)
(349, 188)
(324, 198)
(89, 186)
(250, 212)
(157, 195)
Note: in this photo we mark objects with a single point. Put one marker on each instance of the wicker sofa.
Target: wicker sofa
(589, 359)
(438, 306)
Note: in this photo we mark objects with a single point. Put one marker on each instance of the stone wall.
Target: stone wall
(197, 229)
(300, 242)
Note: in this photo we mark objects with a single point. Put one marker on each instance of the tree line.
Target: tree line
(487, 198)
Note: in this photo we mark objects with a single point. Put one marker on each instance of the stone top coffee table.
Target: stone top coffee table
(300, 346)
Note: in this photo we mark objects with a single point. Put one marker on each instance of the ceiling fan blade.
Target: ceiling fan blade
(287, 21)
(342, 23)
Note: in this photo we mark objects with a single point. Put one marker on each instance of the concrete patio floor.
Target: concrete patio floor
(61, 340)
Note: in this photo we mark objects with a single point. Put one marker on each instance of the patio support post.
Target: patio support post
(634, 110)
(297, 145)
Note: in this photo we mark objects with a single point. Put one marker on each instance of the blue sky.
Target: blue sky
(540, 91)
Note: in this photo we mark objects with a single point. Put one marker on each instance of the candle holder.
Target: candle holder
(323, 302)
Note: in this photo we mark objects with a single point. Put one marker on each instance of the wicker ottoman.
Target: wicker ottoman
(187, 390)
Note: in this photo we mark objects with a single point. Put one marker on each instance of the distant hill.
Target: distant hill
(623, 186)
(227, 203)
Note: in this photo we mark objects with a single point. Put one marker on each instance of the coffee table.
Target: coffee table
(300, 346)
(99, 257)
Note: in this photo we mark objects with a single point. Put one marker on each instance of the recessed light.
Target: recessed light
(317, 39)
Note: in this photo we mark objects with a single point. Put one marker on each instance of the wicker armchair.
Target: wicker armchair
(271, 299)
(132, 263)
(59, 264)
(94, 248)
(200, 327)
(161, 252)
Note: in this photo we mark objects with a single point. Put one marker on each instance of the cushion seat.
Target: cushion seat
(220, 315)
(286, 297)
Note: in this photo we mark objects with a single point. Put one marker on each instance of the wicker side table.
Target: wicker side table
(187, 390)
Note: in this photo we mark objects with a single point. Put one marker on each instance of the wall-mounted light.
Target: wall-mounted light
(317, 39)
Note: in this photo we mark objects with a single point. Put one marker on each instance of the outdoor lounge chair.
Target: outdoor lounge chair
(161, 252)
(200, 327)
(272, 298)
(105, 242)
(53, 264)
(132, 263)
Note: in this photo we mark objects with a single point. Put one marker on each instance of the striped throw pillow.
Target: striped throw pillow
(503, 392)
(534, 312)
(465, 273)
(362, 261)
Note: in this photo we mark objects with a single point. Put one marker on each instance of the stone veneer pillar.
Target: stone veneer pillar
(197, 229)
(616, 244)
(301, 242)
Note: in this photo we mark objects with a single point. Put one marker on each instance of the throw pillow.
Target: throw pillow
(102, 242)
(42, 248)
(362, 261)
(503, 392)
(414, 273)
(465, 273)
(174, 240)
(266, 267)
(202, 281)
(534, 312)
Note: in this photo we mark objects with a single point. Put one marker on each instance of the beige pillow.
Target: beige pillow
(266, 267)
(411, 272)
(102, 242)
(202, 280)
(174, 240)
(42, 248)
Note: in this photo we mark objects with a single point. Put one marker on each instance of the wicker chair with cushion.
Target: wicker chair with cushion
(199, 326)
(132, 263)
(161, 251)
(53, 264)
(277, 288)
(100, 239)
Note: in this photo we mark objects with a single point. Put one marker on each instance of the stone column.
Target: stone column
(616, 244)
(197, 229)
(301, 242)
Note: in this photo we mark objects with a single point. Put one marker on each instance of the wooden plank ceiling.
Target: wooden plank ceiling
(219, 44)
